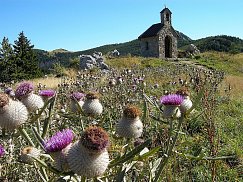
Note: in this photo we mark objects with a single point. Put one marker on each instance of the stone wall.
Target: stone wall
(153, 49)
(166, 31)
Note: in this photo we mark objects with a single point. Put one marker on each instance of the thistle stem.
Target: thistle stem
(47, 122)
(26, 136)
(169, 152)
(83, 179)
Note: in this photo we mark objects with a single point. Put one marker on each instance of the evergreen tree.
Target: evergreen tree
(7, 66)
(25, 59)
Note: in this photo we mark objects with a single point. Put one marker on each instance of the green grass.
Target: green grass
(135, 62)
(230, 63)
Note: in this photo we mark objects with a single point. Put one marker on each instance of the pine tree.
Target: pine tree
(7, 66)
(25, 58)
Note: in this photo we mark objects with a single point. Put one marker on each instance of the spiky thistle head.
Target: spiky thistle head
(92, 95)
(24, 89)
(171, 99)
(2, 151)
(47, 93)
(4, 99)
(95, 139)
(58, 141)
(77, 95)
(131, 111)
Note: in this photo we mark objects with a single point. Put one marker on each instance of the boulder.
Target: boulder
(114, 53)
(96, 60)
(87, 62)
(193, 50)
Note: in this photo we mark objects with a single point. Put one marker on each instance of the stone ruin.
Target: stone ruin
(96, 60)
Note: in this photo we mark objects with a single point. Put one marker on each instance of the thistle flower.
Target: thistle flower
(47, 93)
(130, 125)
(27, 153)
(24, 89)
(9, 91)
(77, 95)
(24, 93)
(58, 146)
(12, 113)
(131, 112)
(89, 156)
(2, 151)
(171, 99)
(79, 98)
(171, 103)
(58, 141)
(186, 103)
(95, 138)
(92, 105)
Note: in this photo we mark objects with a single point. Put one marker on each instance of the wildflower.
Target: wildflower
(92, 105)
(59, 141)
(130, 125)
(9, 91)
(24, 89)
(47, 93)
(89, 156)
(171, 99)
(2, 151)
(58, 147)
(171, 103)
(77, 95)
(186, 103)
(79, 98)
(12, 113)
(24, 93)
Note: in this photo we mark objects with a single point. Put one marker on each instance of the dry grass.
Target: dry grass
(236, 84)
(51, 82)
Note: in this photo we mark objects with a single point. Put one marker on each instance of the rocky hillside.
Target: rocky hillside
(222, 43)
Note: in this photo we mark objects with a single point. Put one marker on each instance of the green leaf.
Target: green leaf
(37, 116)
(130, 154)
(148, 154)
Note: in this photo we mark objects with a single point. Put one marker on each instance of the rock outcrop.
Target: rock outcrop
(96, 60)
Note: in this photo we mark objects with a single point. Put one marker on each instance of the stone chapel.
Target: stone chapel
(160, 40)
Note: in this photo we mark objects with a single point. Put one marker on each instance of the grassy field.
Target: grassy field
(204, 145)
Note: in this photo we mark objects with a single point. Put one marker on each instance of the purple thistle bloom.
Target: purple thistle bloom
(2, 151)
(171, 99)
(47, 93)
(8, 90)
(24, 89)
(77, 95)
(58, 141)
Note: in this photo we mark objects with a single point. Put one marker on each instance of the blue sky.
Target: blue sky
(82, 24)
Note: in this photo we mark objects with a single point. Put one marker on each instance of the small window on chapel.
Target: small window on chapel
(167, 17)
(147, 46)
